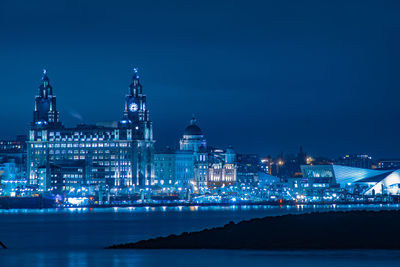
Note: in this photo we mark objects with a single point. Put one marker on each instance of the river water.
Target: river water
(77, 237)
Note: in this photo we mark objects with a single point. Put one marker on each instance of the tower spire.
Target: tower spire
(135, 88)
(45, 78)
(45, 111)
(135, 72)
(45, 88)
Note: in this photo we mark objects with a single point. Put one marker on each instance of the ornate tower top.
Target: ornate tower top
(44, 77)
(45, 89)
(192, 129)
(193, 138)
(135, 88)
(136, 114)
(45, 112)
(135, 72)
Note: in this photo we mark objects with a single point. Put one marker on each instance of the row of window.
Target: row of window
(75, 144)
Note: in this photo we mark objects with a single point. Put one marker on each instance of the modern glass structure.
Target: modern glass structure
(369, 182)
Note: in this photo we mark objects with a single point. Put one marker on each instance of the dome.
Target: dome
(193, 129)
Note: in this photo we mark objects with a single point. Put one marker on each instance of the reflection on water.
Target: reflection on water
(201, 258)
(290, 208)
(77, 236)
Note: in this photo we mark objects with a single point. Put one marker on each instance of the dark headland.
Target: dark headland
(327, 230)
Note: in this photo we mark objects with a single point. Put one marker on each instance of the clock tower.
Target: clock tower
(137, 127)
(135, 103)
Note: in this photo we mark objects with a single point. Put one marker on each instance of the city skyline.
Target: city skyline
(74, 118)
(266, 83)
(174, 133)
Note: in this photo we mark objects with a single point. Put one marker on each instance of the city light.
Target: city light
(117, 164)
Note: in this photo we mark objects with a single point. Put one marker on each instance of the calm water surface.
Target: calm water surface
(76, 237)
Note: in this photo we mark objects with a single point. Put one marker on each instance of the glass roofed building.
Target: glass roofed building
(364, 181)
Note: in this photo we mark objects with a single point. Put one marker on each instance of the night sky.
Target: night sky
(263, 76)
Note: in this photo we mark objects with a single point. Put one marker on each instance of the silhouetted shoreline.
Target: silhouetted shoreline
(326, 230)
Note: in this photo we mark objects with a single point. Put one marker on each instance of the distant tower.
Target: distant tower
(45, 119)
(137, 127)
(135, 103)
(45, 113)
(114, 155)
(193, 138)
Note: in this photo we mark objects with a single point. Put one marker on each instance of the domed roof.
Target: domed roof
(193, 129)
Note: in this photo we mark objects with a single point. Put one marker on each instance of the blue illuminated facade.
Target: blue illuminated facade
(195, 165)
(115, 156)
(357, 180)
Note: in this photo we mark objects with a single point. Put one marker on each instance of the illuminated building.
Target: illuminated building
(13, 146)
(194, 165)
(248, 168)
(212, 167)
(173, 168)
(193, 138)
(164, 168)
(13, 166)
(221, 174)
(201, 167)
(193, 141)
(266, 165)
(389, 164)
(360, 181)
(187, 165)
(115, 155)
(221, 167)
(184, 163)
(359, 161)
(11, 178)
(67, 176)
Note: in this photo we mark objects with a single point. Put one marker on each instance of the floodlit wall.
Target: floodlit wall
(389, 185)
(348, 175)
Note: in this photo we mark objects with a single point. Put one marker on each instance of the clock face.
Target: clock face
(133, 107)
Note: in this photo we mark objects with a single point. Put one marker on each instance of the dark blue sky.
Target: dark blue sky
(263, 76)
